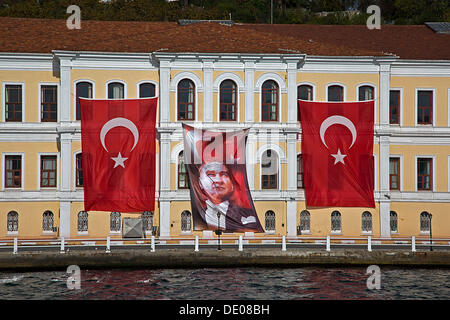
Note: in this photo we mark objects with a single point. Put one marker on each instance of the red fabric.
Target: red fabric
(328, 181)
(118, 185)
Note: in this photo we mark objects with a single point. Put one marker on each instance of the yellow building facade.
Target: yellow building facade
(412, 157)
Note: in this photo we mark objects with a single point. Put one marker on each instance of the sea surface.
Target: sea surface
(309, 283)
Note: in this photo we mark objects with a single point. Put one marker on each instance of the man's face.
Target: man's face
(216, 181)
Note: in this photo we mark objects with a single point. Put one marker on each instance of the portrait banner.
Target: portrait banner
(118, 154)
(220, 196)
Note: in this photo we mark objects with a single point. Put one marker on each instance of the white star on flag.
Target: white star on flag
(339, 157)
(119, 160)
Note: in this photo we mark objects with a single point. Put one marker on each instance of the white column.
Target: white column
(164, 94)
(292, 91)
(385, 230)
(250, 165)
(65, 85)
(164, 219)
(291, 203)
(291, 219)
(64, 219)
(165, 163)
(384, 93)
(249, 91)
(208, 91)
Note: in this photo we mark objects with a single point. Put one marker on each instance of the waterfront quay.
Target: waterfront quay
(209, 255)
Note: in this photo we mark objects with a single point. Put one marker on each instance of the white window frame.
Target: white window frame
(275, 225)
(278, 174)
(74, 102)
(393, 232)
(336, 84)
(198, 88)
(4, 84)
(125, 88)
(416, 102)
(82, 233)
(335, 232)
(433, 162)
(48, 232)
(146, 81)
(282, 90)
(238, 101)
(114, 232)
(400, 156)
(305, 83)
(184, 232)
(12, 233)
(420, 229)
(375, 96)
(300, 220)
(371, 223)
(39, 156)
(58, 99)
(22, 170)
(401, 107)
(74, 173)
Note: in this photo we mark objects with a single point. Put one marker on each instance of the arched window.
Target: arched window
(270, 221)
(79, 170)
(336, 224)
(269, 108)
(114, 221)
(304, 92)
(425, 222)
(13, 221)
(228, 101)
(335, 93)
(116, 90)
(393, 221)
(47, 221)
(305, 221)
(82, 221)
(185, 221)
(366, 93)
(147, 90)
(147, 220)
(269, 170)
(186, 100)
(183, 177)
(366, 221)
(299, 172)
(83, 90)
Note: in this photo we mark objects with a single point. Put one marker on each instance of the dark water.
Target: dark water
(231, 284)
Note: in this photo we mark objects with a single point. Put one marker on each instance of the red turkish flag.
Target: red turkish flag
(337, 153)
(118, 154)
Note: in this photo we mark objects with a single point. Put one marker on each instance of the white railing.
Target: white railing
(325, 242)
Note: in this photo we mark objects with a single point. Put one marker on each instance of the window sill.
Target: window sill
(114, 233)
(270, 232)
(366, 234)
(424, 233)
(12, 233)
(46, 233)
(336, 233)
(304, 233)
(186, 233)
(83, 233)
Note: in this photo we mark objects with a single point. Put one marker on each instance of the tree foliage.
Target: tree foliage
(250, 11)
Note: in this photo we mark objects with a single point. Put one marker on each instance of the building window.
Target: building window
(48, 171)
(49, 102)
(186, 221)
(335, 93)
(47, 221)
(393, 221)
(186, 100)
(394, 107)
(147, 90)
(13, 221)
(79, 170)
(336, 225)
(82, 221)
(366, 93)
(299, 172)
(147, 220)
(304, 92)
(269, 170)
(305, 221)
(228, 101)
(114, 222)
(394, 173)
(424, 107)
(183, 177)
(13, 171)
(13, 103)
(269, 101)
(83, 90)
(424, 173)
(270, 221)
(425, 222)
(366, 222)
(116, 90)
